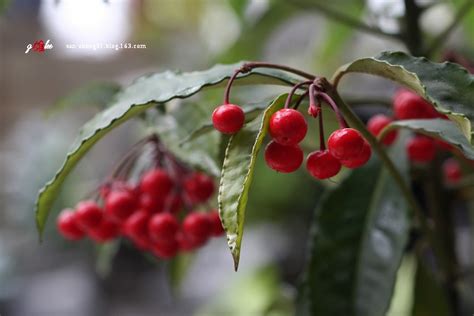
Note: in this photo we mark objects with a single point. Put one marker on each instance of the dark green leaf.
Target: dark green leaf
(105, 257)
(430, 299)
(94, 94)
(359, 233)
(442, 129)
(237, 173)
(143, 94)
(448, 86)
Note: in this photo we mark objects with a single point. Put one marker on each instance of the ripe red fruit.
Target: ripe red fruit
(288, 127)
(106, 231)
(120, 204)
(377, 123)
(452, 171)
(156, 182)
(228, 118)
(322, 165)
(187, 243)
(408, 105)
(216, 225)
(198, 187)
(345, 143)
(283, 158)
(442, 145)
(163, 227)
(136, 226)
(165, 250)
(68, 226)
(421, 149)
(151, 203)
(88, 214)
(174, 203)
(359, 160)
(197, 226)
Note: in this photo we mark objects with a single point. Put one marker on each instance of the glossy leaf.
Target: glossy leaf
(442, 129)
(448, 86)
(145, 93)
(359, 233)
(237, 172)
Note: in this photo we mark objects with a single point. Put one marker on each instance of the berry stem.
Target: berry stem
(229, 85)
(300, 99)
(322, 144)
(252, 65)
(293, 90)
(332, 104)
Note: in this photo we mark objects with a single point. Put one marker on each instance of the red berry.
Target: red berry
(151, 203)
(228, 118)
(322, 165)
(197, 226)
(283, 158)
(163, 227)
(199, 187)
(359, 160)
(174, 203)
(216, 225)
(106, 231)
(120, 204)
(156, 182)
(452, 171)
(377, 123)
(345, 143)
(408, 105)
(421, 149)
(136, 226)
(187, 243)
(68, 226)
(442, 145)
(288, 127)
(166, 250)
(88, 214)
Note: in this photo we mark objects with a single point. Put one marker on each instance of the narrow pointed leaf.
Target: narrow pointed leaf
(359, 233)
(237, 172)
(442, 129)
(146, 92)
(448, 86)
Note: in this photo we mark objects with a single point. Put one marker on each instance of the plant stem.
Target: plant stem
(252, 65)
(334, 107)
(412, 32)
(229, 85)
(293, 90)
(322, 143)
(344, 19)
(440, 39)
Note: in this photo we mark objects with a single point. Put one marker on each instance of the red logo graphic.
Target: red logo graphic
(39, 46)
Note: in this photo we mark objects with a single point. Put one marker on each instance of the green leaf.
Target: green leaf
(448, 86)
(145, 93)
(430, 299)
(95, 94)
(237, 173)
(178, 269)
(201, 153)
(239, 7)
(442, 129)
(359, 233)
(105, 257)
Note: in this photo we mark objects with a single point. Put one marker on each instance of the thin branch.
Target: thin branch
(440, 39)
(336, 15)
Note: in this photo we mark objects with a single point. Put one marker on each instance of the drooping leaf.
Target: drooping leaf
(442, 129)
(237, 173)
(359, 233)
(144, 93)
(448, 86)
(94, 94)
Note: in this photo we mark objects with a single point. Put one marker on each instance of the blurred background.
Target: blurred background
(57, 277)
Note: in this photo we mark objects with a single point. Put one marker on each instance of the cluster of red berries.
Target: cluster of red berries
(420, 148)
(148, 213)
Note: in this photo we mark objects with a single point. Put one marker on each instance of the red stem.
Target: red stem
(322, 143)
(332, 104)
(292, 92)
